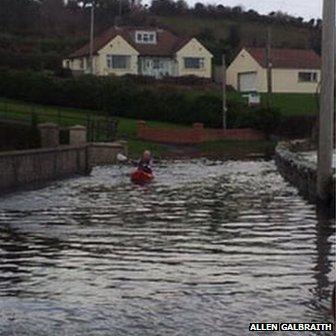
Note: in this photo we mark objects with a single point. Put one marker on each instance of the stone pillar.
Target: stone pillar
(141, 127)
(77, 135)
(124, 145)
(49, 135)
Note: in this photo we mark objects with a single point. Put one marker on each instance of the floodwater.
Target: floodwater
(206, 249)
(312, 157)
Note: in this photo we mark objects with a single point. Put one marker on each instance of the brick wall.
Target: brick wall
(194, 135)
(236, 134)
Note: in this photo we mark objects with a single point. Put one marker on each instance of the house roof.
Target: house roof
(287, 58)
(167, 43)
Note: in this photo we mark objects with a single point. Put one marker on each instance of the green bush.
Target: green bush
(30, 60)
(239, 115)
(123, 97)
(266, 120)
(207, 108)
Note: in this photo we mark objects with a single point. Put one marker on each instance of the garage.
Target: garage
(247, 81)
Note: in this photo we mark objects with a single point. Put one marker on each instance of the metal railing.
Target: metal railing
(99, 127)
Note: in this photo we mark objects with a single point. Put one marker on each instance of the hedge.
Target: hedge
(123, 97)
(29, 60)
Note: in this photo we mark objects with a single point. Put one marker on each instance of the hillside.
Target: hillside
(251, 33)
(228, 35)
(39, 36)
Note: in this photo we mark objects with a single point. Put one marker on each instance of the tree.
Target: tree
(206, 35)
(199, 9)
(315, 41)
(19, 15)
(237, 10)
(52, 14)
(234, 39)
(311, 22)
(163, 7)
(181, 6)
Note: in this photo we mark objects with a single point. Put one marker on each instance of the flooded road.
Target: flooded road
(206, 249)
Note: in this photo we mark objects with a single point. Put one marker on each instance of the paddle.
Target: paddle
(122, 158)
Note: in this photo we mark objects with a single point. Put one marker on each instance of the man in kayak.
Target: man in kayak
(145, 163)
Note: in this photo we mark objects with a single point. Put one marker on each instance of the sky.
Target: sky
(306, 8)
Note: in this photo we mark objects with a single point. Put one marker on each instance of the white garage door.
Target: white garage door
(247, 81)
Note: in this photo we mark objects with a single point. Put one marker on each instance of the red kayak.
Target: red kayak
(141, 177)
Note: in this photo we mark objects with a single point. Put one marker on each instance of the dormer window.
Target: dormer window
(145, 37)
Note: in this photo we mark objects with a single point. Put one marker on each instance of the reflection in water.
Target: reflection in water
(205, 250)
(324, 245)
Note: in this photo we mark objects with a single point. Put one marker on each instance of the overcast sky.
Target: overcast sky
(305, 8)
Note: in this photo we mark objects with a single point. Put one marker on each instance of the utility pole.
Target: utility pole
(92, 36)
(327, 105)
(118, 19)
(269, 67)
(224, 121)
(120, 8)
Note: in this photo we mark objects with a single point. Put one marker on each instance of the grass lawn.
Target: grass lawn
(127, 127)
(69, 116)
(289, 104)
(293, 104)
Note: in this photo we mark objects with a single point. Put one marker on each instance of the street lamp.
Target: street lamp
(92, 36)
(224, 105)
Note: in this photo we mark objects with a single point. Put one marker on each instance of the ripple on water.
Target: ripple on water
(206, 249)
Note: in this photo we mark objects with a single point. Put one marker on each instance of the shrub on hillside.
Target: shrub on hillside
(29, 60)
(266, 120)
(207, 109)
(63, 73)
(238, 115)
(122, 97)
(188, 81)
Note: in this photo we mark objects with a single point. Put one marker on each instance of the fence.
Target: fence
(100, 128)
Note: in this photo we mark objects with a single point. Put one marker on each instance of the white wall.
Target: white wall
(284, 80)
(244, 62)
(287, 80)
(146, 66)
(118, 46)
(194, 49)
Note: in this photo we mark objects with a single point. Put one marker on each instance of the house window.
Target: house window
(310, 77)
(81, 63)
(157, 64)
(145, 37)
(138, 37)
(151, 38)
(194, 63)
(118, 61)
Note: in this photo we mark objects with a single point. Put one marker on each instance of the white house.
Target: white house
(293, 71)
(143, 51)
